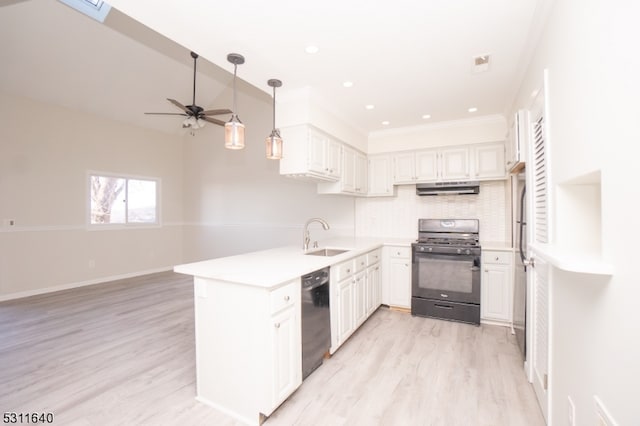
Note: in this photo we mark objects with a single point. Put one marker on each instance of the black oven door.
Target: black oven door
(446, 275)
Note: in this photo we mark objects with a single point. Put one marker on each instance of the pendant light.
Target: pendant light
(274, 140)
(234, 129)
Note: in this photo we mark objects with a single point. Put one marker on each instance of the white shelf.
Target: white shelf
(585, 263)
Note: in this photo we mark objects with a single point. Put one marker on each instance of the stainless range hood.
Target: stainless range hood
(448, 188)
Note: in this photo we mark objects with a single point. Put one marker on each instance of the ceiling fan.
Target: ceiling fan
(196, 115)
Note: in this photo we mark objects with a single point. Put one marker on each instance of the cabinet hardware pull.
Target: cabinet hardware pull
(348, 270)
(286, 298)
(276, 325)
(497, 258)
(486, 270)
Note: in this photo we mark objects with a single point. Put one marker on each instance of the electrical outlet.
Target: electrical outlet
(572, 412)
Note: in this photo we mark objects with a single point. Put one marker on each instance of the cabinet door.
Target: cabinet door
(346, 315)
(426, 165)
(348, 170)
(286, 367)
(496, 293)
(360, 306)
(489, 161)
(373, 288)
(316, 152)
(361, 173)
(400, 283)
(380, 176)
(333, 166)
(454, 164)
(404, 168)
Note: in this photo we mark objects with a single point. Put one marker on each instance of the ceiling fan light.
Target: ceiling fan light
(274, 145)
(234, 133)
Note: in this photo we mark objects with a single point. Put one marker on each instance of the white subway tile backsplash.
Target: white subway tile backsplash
(398, 216)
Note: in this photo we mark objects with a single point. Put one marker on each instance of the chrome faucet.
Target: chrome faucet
(306, 238)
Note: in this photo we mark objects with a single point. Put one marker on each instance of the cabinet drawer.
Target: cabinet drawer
(361, 262)
(400, 252)
(345, 269)
(284, 296)
(373, 257)
(499, 257)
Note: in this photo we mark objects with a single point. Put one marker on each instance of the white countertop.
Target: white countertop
(496, 245)
(270, 268)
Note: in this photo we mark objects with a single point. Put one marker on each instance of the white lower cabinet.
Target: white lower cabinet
(283, 342)
(248, 347)
(355, 297)
(496, 286)
(397, 282)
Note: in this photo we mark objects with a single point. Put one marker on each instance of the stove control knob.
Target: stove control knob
(467, 251)
(430, 248)
(421, 248)
(459, 251)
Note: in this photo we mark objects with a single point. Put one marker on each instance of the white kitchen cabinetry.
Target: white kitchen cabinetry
(489, 161)
(516, 140)
(431, 165)
(496, 286)
(310, 153)
(380, 176)
(351, 301)
(396, 288)
(353, 180)
(231, 321)
(416, 166)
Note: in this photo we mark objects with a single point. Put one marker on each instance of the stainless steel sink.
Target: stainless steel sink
(326, 252)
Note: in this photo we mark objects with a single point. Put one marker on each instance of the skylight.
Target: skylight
(96, 9)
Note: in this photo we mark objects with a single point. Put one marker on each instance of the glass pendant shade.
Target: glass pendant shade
(274, 140)
(274, 145)
(234, 133)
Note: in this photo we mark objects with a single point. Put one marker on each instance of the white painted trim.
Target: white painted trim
(101, 280)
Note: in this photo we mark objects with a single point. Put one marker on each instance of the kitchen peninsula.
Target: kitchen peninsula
(248, 320)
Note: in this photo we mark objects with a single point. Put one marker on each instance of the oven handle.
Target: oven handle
(437, 305)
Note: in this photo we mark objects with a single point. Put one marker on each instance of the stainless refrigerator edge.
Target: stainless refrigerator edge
(520, 277)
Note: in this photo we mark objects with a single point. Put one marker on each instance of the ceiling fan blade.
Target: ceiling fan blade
(212, 120)
(216, 111)
(179, 105)
(166, 113)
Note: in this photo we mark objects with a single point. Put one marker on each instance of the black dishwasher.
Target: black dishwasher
(316, 323)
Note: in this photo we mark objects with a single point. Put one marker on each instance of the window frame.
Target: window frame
(127, 224)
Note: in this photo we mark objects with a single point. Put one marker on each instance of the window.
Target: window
(120, 200)
(96, 9)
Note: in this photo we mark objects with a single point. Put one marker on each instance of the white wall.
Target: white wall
(45, 153)
(398, 216)
(237, 202)
(491, 128)
(588, 48)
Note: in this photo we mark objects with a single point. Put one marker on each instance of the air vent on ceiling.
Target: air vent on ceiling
(481, 63)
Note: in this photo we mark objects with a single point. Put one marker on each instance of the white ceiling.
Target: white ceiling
(406, 57)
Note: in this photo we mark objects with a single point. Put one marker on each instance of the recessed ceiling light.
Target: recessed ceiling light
(426, 116)
(385, 123)
(311, 49)
(472, 109)
(348, 84)
(369, 106)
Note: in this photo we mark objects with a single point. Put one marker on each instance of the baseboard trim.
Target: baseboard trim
(101, 280)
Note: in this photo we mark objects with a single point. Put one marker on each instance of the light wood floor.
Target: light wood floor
(123, 353)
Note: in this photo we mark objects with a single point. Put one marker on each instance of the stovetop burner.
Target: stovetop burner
(448, 232)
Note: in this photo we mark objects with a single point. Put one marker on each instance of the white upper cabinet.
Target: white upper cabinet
(380, 176)
(468, 162)
(426, 165)
(516, 140)
(454, 164)
(489, 161)
(353, 179)
(310, 153)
